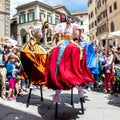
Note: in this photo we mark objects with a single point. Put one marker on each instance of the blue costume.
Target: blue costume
(91, 57)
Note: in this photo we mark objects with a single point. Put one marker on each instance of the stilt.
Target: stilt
(81, 102)
(29, 95)
(71, 96)
(41, 93)
(56, 110)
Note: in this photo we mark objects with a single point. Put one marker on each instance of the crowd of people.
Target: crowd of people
(107, 70)
(70, 63)
(10, 71)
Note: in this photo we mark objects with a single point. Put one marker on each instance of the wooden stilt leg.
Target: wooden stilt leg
(81, 102)
(29, 95)
(72, 96)
(56, 110)
(41, 93)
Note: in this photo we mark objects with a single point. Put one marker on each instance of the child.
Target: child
(10, 66)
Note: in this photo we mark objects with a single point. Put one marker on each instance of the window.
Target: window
(104, 13)
(49, 19)
(88, 4)
(57, 20)
(95, 22)
(31, 16)
(112, 27)
(92, 14)
(89, 17)
(115, 5)
(92, 24)
(110, 9)
(22, 18)
(81, 22)
(96, 11)
(42, 15)
(103, 1)
(99, 4)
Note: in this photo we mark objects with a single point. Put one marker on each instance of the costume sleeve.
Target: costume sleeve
(58, 29)
(76, 26)
(38, 30)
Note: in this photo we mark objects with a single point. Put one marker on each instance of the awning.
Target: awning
(115, 34)
(111, 35)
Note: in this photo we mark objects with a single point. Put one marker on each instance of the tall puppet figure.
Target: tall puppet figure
(66, 64)
(33, 57)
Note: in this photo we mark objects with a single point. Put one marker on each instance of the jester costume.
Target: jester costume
(66, 65)
(34, 60)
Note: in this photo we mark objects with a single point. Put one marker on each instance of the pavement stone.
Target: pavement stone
(98, 106)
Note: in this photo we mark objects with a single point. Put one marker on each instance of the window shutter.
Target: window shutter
(28, 17)
(19, 18)
(24, 17)
(33, 15)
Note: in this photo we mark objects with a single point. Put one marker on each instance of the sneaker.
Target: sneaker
(4, 98)
(108, 71)
(106, 92)
(13, 97)
(103, 75)
(9, 99)
(89, 89)
(21, 92)
(27, 90)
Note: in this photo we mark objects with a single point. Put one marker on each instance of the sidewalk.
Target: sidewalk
(98, 106)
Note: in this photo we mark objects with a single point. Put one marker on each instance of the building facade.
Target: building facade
(84, 23)
(31, 14)
(113, 19)
(92, 14)
(107, 14)
(5, 17)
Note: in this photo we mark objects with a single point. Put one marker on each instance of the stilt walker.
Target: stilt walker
(66, 63)
(33, 58)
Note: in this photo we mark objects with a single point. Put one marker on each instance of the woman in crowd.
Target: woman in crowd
(109, 71)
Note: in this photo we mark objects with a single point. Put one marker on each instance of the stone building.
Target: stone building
(92, 14)
(113, 19)
(5, 17)
(107, 14)
(32, 13)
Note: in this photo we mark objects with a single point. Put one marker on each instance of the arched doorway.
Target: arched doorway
(23, 35)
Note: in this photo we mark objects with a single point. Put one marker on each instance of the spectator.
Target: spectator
(117, 72)
(109, 75)
(3, 72)
(11, 75)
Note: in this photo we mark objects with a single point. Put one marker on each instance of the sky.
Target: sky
(71, 5)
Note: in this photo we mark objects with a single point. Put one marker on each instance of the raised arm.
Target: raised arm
(54, 38)
(32, 40)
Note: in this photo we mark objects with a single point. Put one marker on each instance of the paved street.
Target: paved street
(98, 106)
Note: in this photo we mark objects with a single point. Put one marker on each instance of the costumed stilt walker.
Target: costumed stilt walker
(92, 60)
(33, 58)
(66, 63)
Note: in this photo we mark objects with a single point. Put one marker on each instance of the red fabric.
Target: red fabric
(71, 71)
